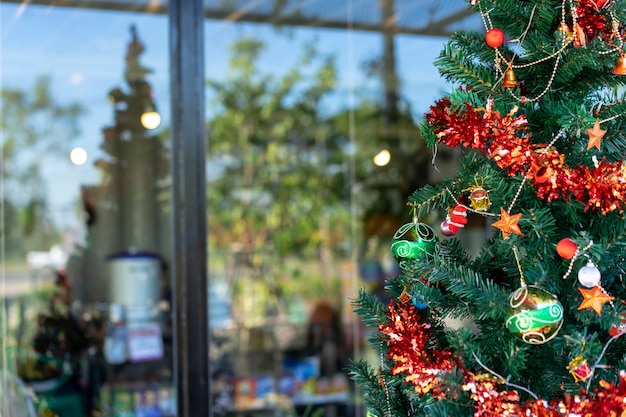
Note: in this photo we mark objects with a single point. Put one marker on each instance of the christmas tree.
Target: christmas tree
(539, 109)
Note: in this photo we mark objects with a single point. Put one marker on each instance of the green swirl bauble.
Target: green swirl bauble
(536, 315)
(412, 241)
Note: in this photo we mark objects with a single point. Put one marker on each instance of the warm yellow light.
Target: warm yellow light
(382, 158)
(151, 120)
(78, 156)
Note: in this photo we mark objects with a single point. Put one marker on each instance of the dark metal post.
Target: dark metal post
(189, 263)
(390, 74)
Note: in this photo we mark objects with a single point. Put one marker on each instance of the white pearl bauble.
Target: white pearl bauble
(589, 275)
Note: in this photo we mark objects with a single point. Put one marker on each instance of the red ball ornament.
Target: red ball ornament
(618, 329)
(494, 37)
(566, 248)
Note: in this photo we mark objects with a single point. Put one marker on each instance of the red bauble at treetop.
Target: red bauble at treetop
(494, 37)
(566, 248)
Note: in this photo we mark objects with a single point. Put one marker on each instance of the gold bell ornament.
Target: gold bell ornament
(620, 66)
(510, 80)
(565, 31)
(541, 173)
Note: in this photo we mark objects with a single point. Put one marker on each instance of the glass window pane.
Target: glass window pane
(280, 223)
(85, 222)
(312, 115)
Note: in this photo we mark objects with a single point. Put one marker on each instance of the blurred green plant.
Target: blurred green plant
(277, 180)
(35, 127)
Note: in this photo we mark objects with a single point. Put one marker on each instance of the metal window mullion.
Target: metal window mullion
(189, 211)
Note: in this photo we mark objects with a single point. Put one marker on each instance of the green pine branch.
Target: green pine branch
(369, 308)
(456, 66)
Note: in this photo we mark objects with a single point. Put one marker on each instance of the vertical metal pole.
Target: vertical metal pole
(189, 263)
(390, 74)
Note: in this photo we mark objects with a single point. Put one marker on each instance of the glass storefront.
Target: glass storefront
(310, 149)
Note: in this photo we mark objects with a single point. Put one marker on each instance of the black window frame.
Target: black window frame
(189, 209)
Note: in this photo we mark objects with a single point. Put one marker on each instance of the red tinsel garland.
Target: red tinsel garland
(591, 20)
(498, 137)
(425, 368)
(407, 338)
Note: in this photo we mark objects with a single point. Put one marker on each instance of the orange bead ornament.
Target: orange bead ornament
(494, 37)
(566, 248)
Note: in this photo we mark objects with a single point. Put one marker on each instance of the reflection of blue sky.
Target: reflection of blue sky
(83, 52)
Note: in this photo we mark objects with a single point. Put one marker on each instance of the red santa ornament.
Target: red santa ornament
(457, 219)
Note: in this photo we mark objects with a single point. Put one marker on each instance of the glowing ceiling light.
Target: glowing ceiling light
(150, 120)
(382, 158)
(78, 156)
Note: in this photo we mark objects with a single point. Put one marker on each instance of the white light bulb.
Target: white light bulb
(589, 275)
(78, 156)
(382, 158)
(151, 120)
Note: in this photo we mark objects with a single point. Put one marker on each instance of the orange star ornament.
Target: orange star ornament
(594, 299)
(595, 136)
(508, 224)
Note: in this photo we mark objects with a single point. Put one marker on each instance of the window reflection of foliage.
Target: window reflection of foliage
(35, 127)
(271, 149)
(384, 189)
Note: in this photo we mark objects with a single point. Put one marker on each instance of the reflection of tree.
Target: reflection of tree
(383, 189)
(280, 168)
(277, 191)
(35, 127)
(280, 184)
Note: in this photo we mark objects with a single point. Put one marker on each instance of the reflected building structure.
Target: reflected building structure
(127, 209)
